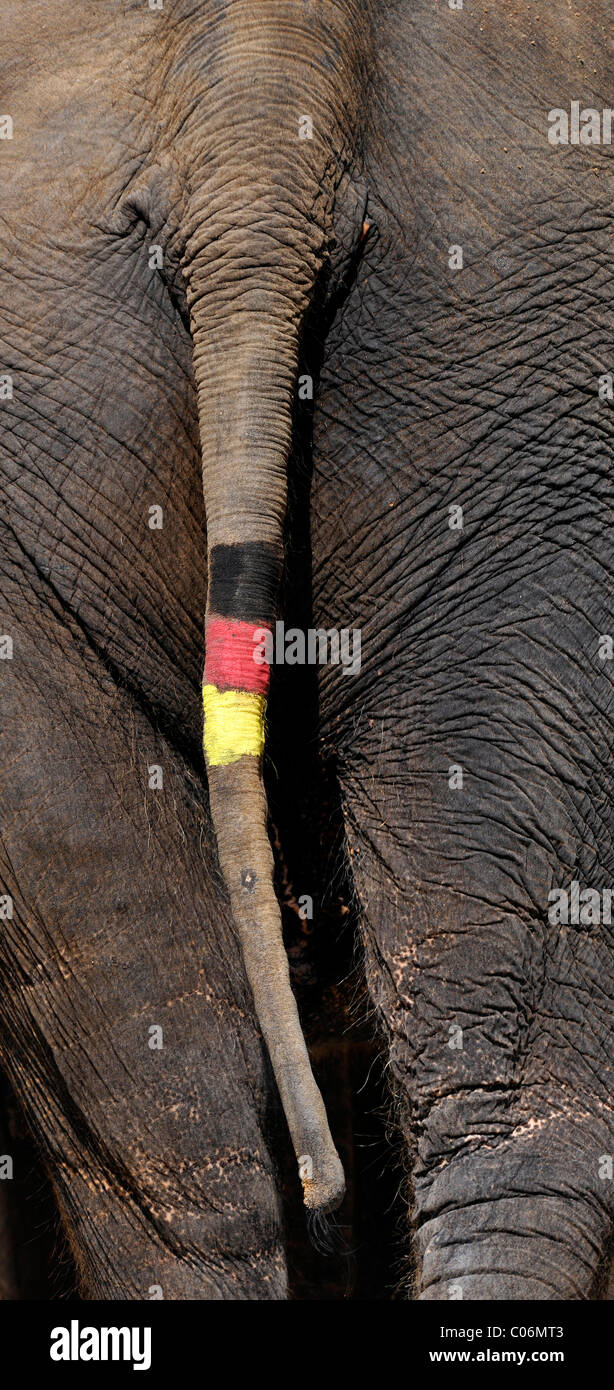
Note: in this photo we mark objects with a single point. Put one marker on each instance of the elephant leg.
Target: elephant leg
(473, 788)
(128, 1032)
(501, 1065)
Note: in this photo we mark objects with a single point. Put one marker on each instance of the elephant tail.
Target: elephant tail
(271, 217)
(243, 583)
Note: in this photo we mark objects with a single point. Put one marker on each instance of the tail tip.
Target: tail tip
(323, 1185)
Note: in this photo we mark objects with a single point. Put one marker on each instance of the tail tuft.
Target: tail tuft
(325, 1234)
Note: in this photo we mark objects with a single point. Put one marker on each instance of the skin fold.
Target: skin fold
(140, 907)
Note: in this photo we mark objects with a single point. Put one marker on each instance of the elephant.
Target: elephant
(306, 303)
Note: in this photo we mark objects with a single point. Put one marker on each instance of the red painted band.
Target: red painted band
(231, 651)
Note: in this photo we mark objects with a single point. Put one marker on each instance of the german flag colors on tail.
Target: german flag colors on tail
(242, 588)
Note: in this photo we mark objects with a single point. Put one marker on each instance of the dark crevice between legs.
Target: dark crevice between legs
(35, 1260)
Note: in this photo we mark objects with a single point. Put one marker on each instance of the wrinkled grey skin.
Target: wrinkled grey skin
(479, 647)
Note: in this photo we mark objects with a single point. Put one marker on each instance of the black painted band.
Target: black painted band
(243, 581)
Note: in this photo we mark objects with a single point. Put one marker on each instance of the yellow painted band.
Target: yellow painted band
(234, 725)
